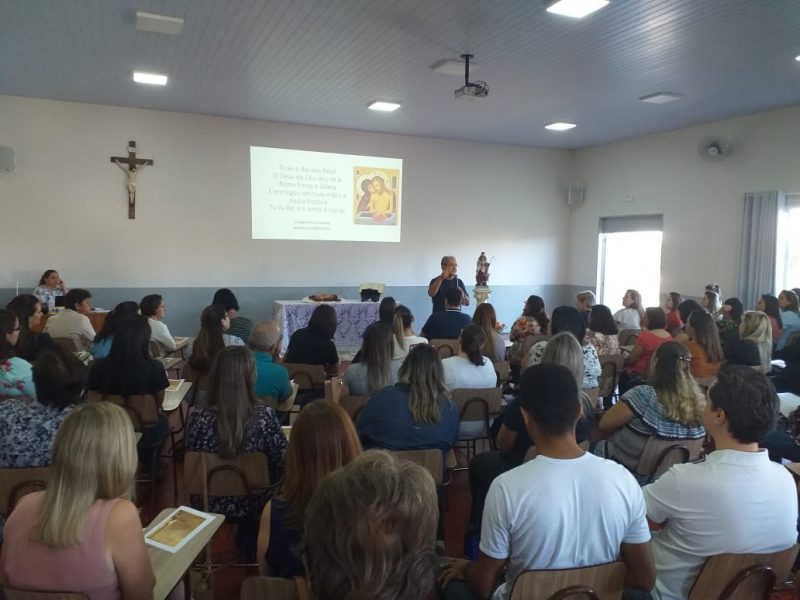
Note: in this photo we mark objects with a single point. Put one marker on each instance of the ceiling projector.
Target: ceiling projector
(472, 90)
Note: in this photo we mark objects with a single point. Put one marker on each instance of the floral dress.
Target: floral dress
(521, 329)
(16, 378)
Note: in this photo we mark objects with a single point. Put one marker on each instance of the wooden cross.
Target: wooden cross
(134, 165)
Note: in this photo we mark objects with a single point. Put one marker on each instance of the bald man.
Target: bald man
(437, 288)
(271, 379)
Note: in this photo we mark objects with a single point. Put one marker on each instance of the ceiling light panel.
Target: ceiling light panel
(661, 97)
(150, 78)
(158, 23)
(383, 106)
(577, 9)
(560, 126)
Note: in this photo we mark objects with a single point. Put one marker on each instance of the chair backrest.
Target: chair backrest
(503, 370)
(627, 337)
(206, 474)
(660, 454)
(68, 344)
(477, 404)
(10, 593)
(199, 379)
(155, 349)
(742, 576)
(431, 460)
(445, 348)
(143, 409)
(353, 405)
(308, 377)
(600, 582)
(15, 483)
(610, 366)
(269, 588)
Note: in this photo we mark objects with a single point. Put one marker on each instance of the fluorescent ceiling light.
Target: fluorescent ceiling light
(576, 8)
(384, 106)
(797, 58)
(158, 23)
(452, 66)
(150, 78)
(661, 97)
(559, 126)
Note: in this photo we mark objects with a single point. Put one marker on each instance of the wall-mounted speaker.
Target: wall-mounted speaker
(8, 159)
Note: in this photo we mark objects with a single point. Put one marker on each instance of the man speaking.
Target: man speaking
(446, 281)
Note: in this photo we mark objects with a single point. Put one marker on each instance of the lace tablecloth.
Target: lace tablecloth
(352, 316)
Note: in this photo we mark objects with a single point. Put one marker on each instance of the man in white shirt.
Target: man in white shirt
(546, 513)
(736, 501)
(73, 321)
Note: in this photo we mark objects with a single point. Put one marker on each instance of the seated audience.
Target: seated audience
(414, 414)
(16, 376)
(447, 324)
(524, 528)
(377, 369)
(632, 313)
(602, 332)
(469, 369)
(533, 321)
(494, 348)
(670, 407)
(101, 346)
(566, 318)
(584, 301)
(153, 307)
(674, 321)
(30, 344)
(652, 336)
(790, 316)
(73, 322)
(239, 326)
(50, 286)
(730, 317)
(234, 424)
(272, 379)
(370, 531)
(386, 310)
(404, 338)
(313, 345)
(323, 439)
(768, 304)
(686, 308)
(214, 322)
(564, 350)
(83, 534)
(735, 501)
(711, 303)
(702, 340)
(754, 346)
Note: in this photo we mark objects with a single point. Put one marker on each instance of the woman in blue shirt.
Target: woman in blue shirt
(101, 347)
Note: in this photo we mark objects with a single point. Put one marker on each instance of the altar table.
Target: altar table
(352, 316)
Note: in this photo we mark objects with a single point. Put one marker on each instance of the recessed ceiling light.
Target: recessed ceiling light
(797, 58)
(559, 126)
(575, 8)
(384, 106)
(149, 78)
(452, 66)
(661, 97)
(158, 23)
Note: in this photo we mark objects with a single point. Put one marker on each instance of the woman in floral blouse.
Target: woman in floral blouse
(50, 286)
(602, 332)
(16, 378)
(533, 321)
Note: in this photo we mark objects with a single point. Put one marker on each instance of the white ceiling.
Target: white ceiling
(321, 61)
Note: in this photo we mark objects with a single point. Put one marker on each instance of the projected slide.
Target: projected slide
(299, 195)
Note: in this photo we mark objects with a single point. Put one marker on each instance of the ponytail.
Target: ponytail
(471, 343)
(401, 320)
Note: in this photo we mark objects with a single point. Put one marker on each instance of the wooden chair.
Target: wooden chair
(68, 344)
(16, 483)
(270, 588)
(199, 382)
(660, 454)
(610, 366)
(353, 405)
(155, 349)
(503, 370)
(431, 460)
(742, 576)
(627, 337)
(600, 582)
(445, 348)
(308, 377)
(206, 474)
(10, 593)
(477, 405)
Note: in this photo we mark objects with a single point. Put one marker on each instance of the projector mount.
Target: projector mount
(471, 89)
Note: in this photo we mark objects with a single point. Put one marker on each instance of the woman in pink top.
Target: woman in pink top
(637, 364)
(83, 534)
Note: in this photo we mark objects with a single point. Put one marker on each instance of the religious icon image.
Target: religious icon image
(376, 196)
(131, 165)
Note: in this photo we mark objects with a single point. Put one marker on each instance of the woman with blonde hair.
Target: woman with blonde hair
(323, 439)
(376, 369)
(584, 301)
(632, 313)
(563, 349)
(754, 330)
(669, 406)
(83, 533)
(485, 317)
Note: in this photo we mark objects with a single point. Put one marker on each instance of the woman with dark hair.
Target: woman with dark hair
(730, 318)
(674, 321)
(386, 310)
(602, 332)
(702, 340)
(647, 342)
(50, 286)
(404, 337)
(790, 316)
(16, 377)
(768, 304)
(567, 318)
(377, 369)
(469, 369)
(533, 321)
(485, 317)
(685, 308)
(103, 340)
(29, 312)
(710, 301)
(630, 316)
(414, 414)
(73, 322)
(239, 326)
(212, 337)
(153, 307)
(323, 440)
(313, 345)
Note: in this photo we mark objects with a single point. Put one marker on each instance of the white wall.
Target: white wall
(66, 205)
(701, 201)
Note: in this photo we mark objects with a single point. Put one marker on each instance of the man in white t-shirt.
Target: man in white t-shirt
(735, 501)
(546, 514)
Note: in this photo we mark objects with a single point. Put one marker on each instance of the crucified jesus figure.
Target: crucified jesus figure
(131, 173)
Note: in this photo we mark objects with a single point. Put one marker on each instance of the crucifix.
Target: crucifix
(131, 166)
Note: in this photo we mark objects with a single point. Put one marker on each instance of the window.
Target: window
(787, 264)
(629, 258)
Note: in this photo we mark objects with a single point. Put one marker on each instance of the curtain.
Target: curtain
(758, 248)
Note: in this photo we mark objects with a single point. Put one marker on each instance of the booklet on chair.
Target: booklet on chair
(175, 530)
